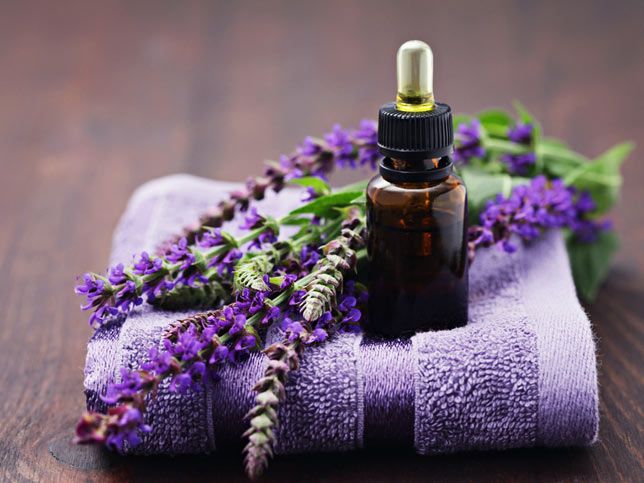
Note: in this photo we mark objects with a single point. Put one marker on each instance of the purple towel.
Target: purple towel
(521, 373)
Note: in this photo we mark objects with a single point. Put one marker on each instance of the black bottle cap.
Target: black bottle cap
(415, 135)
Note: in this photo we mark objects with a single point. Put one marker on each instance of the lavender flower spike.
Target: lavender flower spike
(520, 163)
(153, 278)
(529, 210)
(468, 142)
(314, 157)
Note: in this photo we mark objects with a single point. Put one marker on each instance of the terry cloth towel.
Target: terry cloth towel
(521, 373)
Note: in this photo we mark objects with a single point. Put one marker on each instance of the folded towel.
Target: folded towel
(521, 373)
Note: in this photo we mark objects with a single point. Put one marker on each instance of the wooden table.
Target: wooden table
(98, 97)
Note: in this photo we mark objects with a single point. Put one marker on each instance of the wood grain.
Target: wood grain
(98, 97)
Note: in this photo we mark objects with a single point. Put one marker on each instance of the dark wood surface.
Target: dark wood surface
(98, 97)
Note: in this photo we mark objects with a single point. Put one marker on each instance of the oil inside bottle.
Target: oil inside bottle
(417, 245)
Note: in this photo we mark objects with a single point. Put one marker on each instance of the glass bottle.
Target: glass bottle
(417, 246)
(416, 210)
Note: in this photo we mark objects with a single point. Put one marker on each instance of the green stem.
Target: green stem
(500, 145)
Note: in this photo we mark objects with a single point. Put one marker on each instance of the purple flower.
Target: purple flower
(102, 299)
(181, 383)
(468, 142)
(293, 166)
(101, 315)
(146, 265)
(308, 194)
(257, 303)
(521, 134)
(272, 315)
(288, 279)
(532, 208)
(116, 274)
(348, 302)
(131, 383)
(127, 297)
(119, 426)
(125, 424)
(244, 344)
(325, 321)
(160, 361)
(180, 253)
(252, 220)
(93, 288)
(519, 163)
(318, 335)
(225, 262)
(297, 297)
(585, 202)
(187, 346)
(266, 237)
(238, 325)
(219, 355)
(211, 238)
(310, 147)
(353, 315)
(366, 137)
(342, 147)
(292, 329)
(309, 256)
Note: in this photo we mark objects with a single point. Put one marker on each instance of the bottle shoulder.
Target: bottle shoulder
(452, 184)
(417, 205)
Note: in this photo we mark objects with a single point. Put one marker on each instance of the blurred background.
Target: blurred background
(101, 96)
(98, 97)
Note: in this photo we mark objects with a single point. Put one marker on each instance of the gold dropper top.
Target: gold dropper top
(415, 69)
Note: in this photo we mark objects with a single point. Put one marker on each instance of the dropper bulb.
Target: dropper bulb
(415, 70)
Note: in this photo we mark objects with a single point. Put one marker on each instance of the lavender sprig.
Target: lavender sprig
(321, 315)
(153, 278)
(283, 358)
(314, 157)
(532, 208)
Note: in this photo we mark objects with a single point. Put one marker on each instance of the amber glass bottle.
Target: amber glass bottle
(416, 213)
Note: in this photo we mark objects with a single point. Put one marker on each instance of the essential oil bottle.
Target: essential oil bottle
(416, 210)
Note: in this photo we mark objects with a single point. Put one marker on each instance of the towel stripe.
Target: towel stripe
(388, 391)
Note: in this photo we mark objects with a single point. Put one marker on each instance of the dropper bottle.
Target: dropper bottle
(416, 210)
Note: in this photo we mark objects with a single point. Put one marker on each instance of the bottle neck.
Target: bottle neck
(415, 171)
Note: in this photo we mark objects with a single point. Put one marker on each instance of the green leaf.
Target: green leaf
(319, 185)
(555, 143)
(503, 146)
(323, 205)
(590, 262)
(601, 177)
(294, 220)
(482, 187)
(524, 116)
(557, 159)
(612, 159)
(495, 122)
